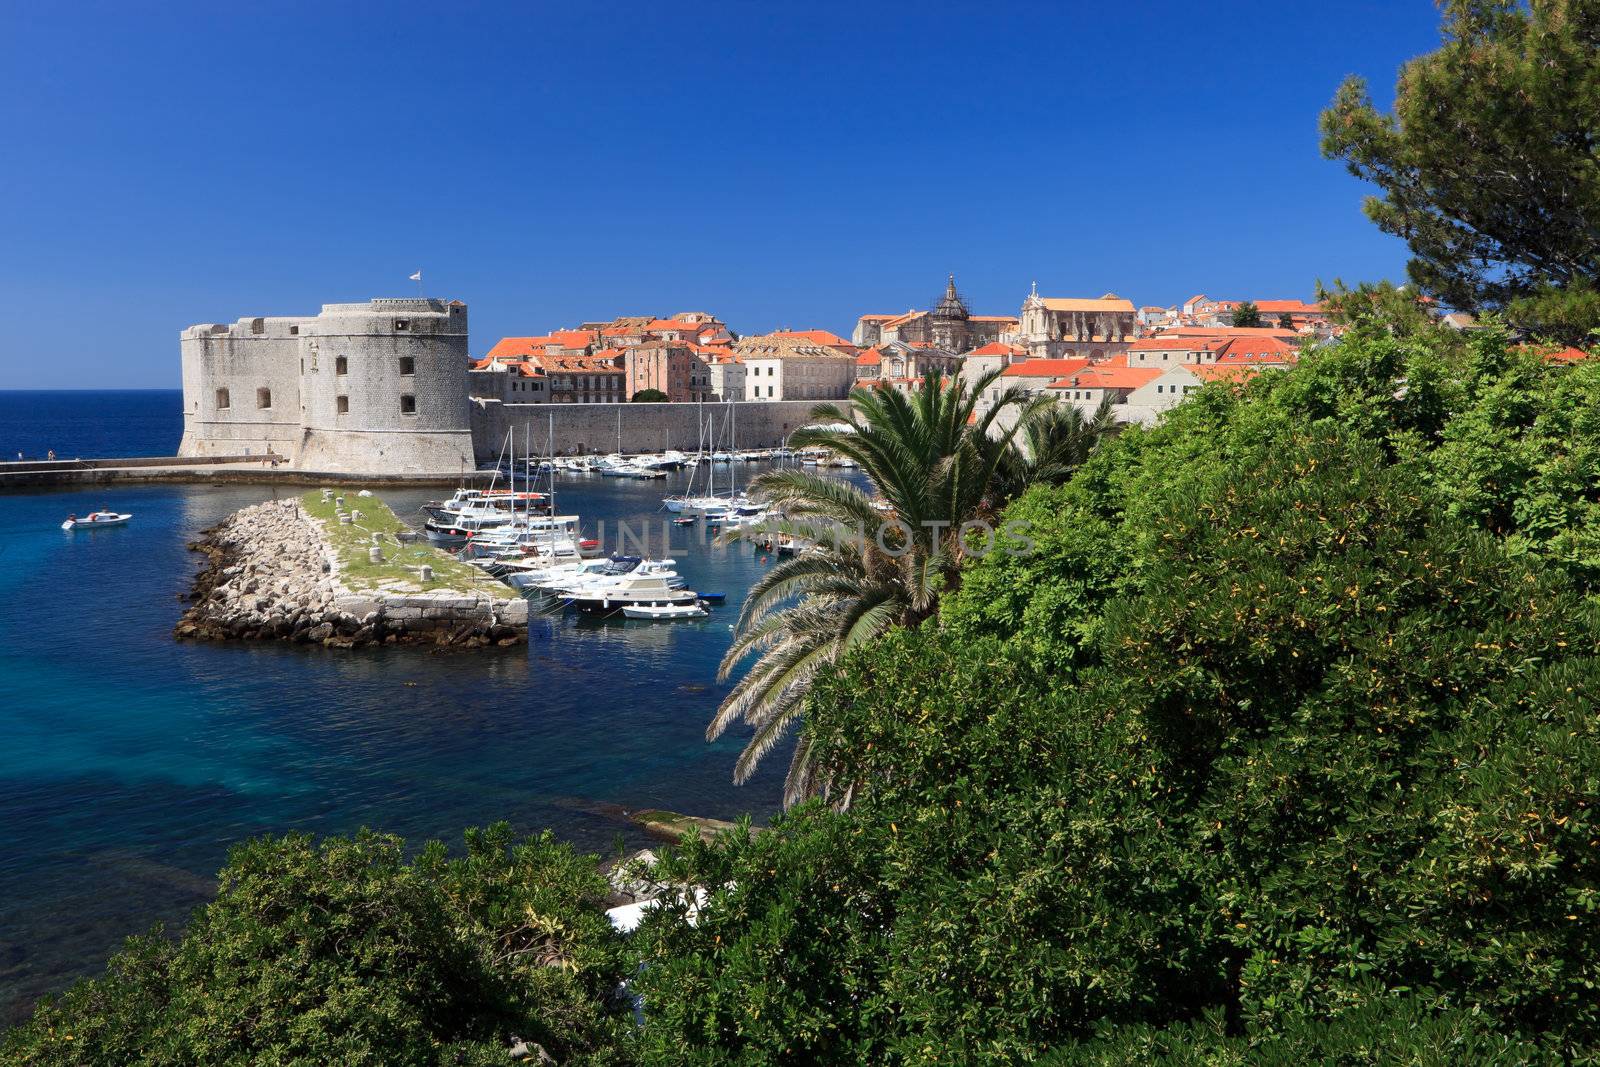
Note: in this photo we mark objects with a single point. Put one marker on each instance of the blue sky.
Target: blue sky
(776, 164)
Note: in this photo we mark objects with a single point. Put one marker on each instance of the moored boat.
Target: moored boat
(664, 612)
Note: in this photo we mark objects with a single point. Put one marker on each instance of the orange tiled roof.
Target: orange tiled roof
(816, 337)
(1101, 377)
(1045, 368)
(1167, 343)
(995, 348)
(1232, 331)
(901, 320)
(1104, 303)
(1294, 307)
(1254, 350)
(870, 358)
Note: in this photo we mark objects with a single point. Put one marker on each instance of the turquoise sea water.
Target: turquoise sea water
(130, 762)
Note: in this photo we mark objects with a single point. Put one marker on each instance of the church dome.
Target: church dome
(952, 306)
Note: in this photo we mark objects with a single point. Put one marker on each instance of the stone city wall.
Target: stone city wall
(590, 428)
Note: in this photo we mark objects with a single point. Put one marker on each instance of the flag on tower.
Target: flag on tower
(417, 277)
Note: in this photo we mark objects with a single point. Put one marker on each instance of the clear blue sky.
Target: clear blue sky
(776, 164)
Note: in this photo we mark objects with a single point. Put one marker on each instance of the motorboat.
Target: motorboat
(665, 611)
(457, 532)
(644, 586)
(473, 501)
(95, 520)
(535, 575)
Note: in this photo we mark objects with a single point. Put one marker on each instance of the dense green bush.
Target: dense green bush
(1278, 727)
(341, 951)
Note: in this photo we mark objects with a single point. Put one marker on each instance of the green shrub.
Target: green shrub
(1319, 743)
(341, 951)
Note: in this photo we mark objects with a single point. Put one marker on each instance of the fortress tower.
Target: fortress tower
(377, 388)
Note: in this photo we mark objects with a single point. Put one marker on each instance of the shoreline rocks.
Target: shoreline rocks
(270, 575)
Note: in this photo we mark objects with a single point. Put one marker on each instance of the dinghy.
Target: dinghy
(663, 611)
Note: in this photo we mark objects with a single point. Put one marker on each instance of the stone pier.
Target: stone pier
(277, 571)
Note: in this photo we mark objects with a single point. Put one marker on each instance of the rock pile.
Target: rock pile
(271, 576)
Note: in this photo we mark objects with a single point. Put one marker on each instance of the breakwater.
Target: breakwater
(315, 571)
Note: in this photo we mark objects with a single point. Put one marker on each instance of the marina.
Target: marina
(125, 786)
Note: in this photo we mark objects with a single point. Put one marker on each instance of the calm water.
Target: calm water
(129, 762)
(143, 422)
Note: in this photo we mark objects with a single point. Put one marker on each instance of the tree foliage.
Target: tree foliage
(937, 464)
(650, 396)
(342, 951)
(1487, 166)
(1246, 315)
(1281, 743)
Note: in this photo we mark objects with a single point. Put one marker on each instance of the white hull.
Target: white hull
(87, 523)
(673, 611)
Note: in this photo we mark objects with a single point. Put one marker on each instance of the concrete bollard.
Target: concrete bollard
(425, 572)
(344, 520)
(375, 554)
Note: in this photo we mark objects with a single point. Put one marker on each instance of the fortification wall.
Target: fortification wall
(643, 427)
(241, 388)
(374, 387)
(392, 350)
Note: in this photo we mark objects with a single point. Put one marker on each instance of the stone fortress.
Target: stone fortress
(374, 387)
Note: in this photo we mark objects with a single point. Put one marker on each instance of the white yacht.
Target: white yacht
(641, 587)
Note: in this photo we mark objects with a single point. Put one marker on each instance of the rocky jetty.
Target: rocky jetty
(272, 575)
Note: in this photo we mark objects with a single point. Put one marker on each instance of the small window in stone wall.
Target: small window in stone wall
(341, 365)
(408, 404)
(263, 398)
(343, 405)
(294, 331)
(408, 365)
(222, 398)
(401, 325)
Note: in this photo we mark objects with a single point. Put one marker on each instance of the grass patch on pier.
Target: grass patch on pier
(378, 525)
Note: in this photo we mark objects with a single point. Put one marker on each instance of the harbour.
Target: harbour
(130, 762)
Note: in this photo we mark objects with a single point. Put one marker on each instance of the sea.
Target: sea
(130, 762)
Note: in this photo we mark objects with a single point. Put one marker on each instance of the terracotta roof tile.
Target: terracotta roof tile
(1045, 368)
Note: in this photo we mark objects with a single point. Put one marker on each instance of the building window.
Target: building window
(342, 405)
(222, 399)
(401, 325)
(341, 365)
(408, 365)
(294, 331)
(408, 404)
(263, 398)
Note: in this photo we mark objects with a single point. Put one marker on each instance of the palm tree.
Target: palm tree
(1052, 442)
(936, 463)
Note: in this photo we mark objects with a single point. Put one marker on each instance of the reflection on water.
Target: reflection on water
(129, 762)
